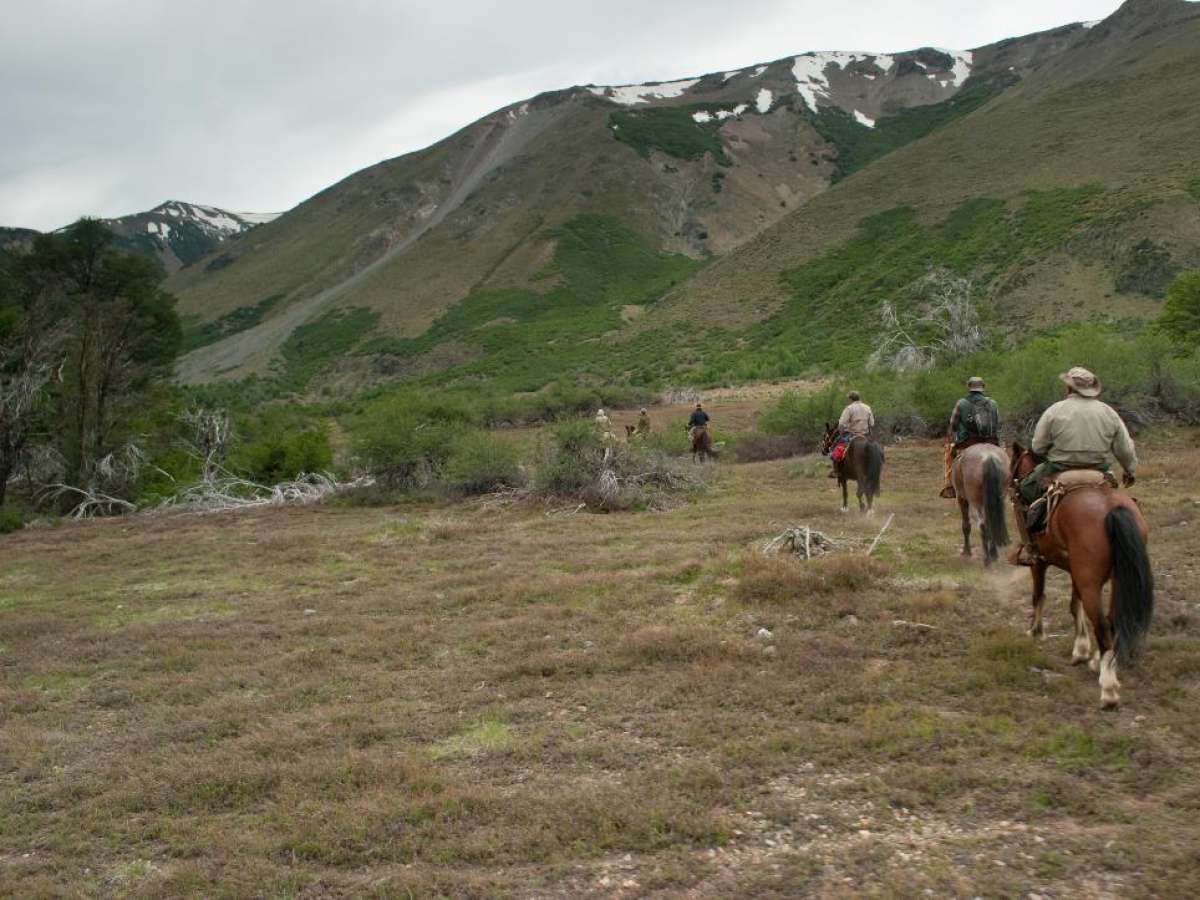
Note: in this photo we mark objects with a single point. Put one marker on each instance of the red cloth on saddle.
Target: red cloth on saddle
(839, 449)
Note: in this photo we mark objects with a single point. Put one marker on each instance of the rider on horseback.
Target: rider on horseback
(698, 421)
(1078, 432)
(975, 420)
(857, 420)
(643, 423)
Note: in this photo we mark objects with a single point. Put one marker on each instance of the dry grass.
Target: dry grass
(479, 701)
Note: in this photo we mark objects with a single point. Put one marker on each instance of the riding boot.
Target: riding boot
(948, 492)
(1027, 554)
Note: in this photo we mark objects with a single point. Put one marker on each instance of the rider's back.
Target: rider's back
(1082, 431)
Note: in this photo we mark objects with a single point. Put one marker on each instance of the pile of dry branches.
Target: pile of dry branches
(800, 541)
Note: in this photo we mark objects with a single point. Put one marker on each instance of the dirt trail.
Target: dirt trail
(505, 137)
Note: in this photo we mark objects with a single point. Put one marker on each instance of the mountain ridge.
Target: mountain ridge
(566, 157)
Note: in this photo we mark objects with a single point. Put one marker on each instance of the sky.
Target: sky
(110, 107)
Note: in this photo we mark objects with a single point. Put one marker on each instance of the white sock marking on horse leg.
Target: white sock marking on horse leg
(1082, 650)
(1109, 685)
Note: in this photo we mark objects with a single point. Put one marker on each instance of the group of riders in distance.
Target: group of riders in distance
(1068, 507)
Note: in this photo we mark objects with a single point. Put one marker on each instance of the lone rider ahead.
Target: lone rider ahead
(975, 420)
(1078, 432)
(857, 420)
(698, 421)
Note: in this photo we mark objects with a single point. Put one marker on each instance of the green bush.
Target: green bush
(571, 461)
(478, 462)
(11, 519)
(1142, 378)
(280, 444)
(403, 440)
(670, 129)
(1181, 314)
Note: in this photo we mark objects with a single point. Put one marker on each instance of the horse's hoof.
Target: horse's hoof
(1110, 700)
(1078, 660)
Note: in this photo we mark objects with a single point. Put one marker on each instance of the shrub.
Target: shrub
(281, 451)
(1181, 314)
(804, 415)
(478, 463)
(11, 519)
(576, 463)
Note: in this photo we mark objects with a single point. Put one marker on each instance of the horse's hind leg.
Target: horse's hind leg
(1104, 660)
(845, 496)
(965, 509)
(1081, 650)
(1038, 573)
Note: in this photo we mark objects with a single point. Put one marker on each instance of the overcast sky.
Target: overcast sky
(112, 106)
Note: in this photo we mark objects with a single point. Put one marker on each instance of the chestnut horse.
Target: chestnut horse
(862, 464)
(978, 477)
(1096, 534)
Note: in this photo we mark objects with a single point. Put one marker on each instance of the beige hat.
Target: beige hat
(975, 383)
(1082, 382)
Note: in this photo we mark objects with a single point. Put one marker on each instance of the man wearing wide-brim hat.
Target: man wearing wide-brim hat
(1079, 432)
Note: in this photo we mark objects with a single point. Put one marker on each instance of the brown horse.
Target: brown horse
(978, 477)
(1096, 534)
(862, 464)
(702, 445)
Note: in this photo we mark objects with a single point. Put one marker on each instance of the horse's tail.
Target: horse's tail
(1133, 581)
(874, 471)
(993, 502)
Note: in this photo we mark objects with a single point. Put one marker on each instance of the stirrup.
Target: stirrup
(948, 493)
(1025, 555)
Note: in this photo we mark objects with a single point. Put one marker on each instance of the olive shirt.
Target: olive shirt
(1082, 431)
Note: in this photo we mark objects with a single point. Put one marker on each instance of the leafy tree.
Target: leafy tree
(1181, 314)
(29, 348)
(115, 332)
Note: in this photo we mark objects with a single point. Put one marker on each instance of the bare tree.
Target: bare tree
(945, 324)
(210, 438)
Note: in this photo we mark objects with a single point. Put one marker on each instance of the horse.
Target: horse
(702, 445)
(1096, 534)
(978, 476)
(862, 464)
(630, 431)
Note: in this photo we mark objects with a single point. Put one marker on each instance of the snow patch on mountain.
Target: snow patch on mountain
(864, 119)
(763, 101)
(720, 115)
(160, 230)
(631, 94)
(809, 70)
(216, 222)
(812, 82)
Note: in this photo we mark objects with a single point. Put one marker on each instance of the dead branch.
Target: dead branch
(886, 524)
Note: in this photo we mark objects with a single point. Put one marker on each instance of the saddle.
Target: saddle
(1063, 485)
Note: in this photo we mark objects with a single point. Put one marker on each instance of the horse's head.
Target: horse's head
(1023, 461)
(827, 440)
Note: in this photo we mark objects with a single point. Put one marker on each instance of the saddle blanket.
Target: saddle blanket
(840, 447)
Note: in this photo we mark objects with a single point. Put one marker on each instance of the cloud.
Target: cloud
(112, 106)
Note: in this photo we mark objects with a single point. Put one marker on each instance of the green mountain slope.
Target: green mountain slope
(1107, 129)
(689, 169)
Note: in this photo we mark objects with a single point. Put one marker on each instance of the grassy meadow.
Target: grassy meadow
(495, 698)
